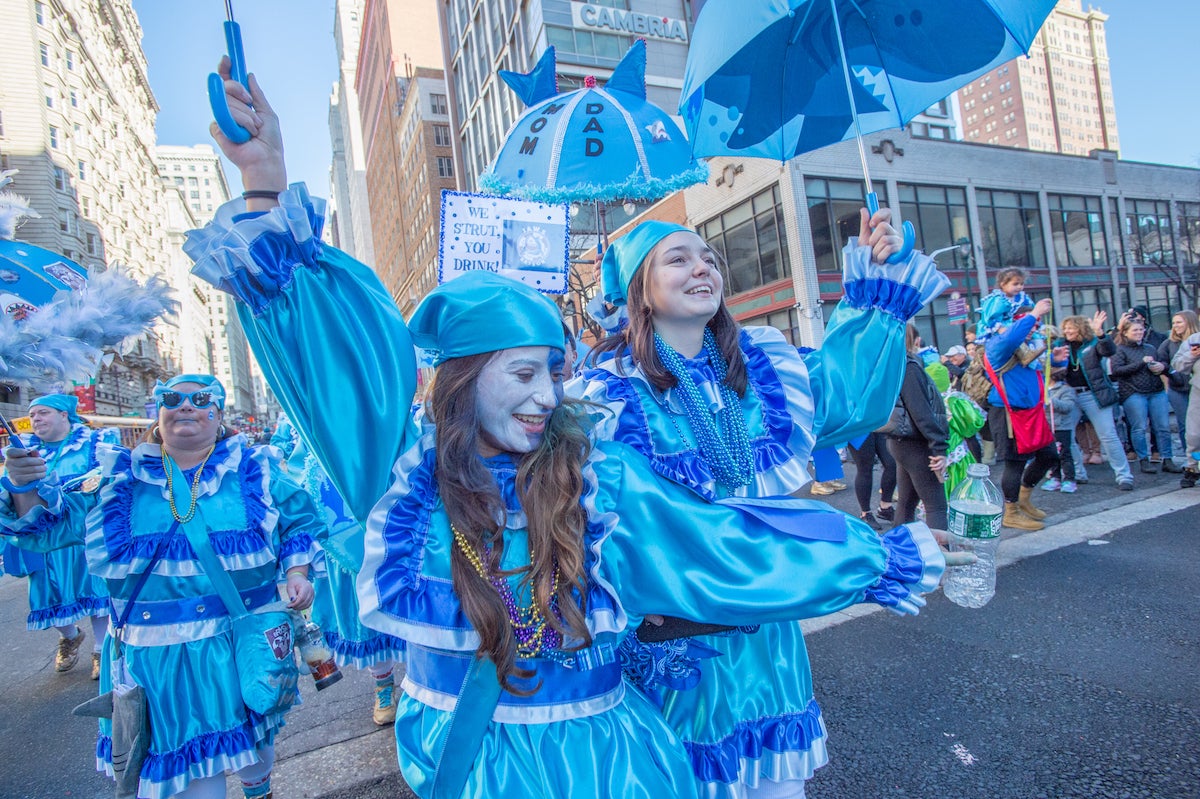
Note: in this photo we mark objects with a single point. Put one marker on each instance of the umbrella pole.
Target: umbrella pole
(910, 233)
(14, 439)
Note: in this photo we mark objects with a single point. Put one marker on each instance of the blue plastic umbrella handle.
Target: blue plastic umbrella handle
(216, 86)
(910, 233)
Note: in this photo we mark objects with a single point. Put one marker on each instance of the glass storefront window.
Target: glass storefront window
(833, 214)
(939, 213)
(750, 237)
(1148, 238)
(1078, 230)
(786, 322)
(1011, 228)
(1187, 232)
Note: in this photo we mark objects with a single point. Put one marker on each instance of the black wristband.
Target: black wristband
(260, 194)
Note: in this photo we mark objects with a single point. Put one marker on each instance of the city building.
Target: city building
(1058, 99)
(589, 39)
(398, 39)
(77, 120)
(427, 162)
(1093, 231)
(349, 212)
(198, 175)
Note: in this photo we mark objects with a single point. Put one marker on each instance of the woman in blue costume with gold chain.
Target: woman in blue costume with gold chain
(735, 412)
(61, 592)
(136, 515)
(510, 549)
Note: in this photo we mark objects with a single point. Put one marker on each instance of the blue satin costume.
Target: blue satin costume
(322, 326)
(335, 606)
(743, 701)
(61, 591)
(176, 641)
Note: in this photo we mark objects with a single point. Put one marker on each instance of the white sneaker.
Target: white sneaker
(1052, 484)
(1068, 487)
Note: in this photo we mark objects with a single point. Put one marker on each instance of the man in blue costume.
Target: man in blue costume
(61, 592)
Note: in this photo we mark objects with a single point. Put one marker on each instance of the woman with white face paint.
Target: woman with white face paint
(734, 412)
(510, 549)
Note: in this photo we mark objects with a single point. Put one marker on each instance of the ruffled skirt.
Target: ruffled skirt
(335, 610)
(625, 752)
(752, 716)
(63, 592)
(199, 726)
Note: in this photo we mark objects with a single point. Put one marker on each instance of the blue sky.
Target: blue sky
(289, 44)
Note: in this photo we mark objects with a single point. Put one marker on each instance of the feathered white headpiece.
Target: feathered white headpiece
(13, 208)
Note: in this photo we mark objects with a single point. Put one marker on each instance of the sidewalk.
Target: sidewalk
(331, 749)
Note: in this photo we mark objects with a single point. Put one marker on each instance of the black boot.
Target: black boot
(1171, 466)
(1189, 478)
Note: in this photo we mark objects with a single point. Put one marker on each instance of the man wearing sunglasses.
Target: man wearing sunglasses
(61, 592)
(1187, 362)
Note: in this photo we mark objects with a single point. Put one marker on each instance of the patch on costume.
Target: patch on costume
(91, 484)
(280, 640)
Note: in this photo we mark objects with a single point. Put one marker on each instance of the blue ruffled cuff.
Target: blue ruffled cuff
(901, 290)
(39, 520)
(915, 565)
(253, 257)
(664, 664)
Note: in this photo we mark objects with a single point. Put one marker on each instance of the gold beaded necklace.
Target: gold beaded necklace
(169, 468)
(529, 625)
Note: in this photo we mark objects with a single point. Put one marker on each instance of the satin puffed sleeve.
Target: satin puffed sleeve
(56, 525)
(746, 561)
(300, 523)
(330, 340)
(856, 374)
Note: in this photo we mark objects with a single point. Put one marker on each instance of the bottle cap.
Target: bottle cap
(979, 470)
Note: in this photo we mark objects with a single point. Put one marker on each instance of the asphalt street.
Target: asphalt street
(1077, 680)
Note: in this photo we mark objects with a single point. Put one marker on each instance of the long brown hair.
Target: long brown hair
(1123, 326)
(549, 485)
(639, 335)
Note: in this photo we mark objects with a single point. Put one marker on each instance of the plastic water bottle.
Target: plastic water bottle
(975, 511)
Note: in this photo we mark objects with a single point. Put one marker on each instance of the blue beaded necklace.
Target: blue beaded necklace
(726, 450)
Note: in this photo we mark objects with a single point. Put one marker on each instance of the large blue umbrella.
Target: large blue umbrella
(591, 144)
(31, 276)
(777, 78)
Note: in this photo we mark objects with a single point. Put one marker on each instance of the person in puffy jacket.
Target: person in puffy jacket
(1023, 389)
(1139, 375)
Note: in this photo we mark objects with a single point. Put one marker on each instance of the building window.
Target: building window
(44, 50)
(1078, 230)
(1147, 232)
(833, 214)
(939, 213)
(751, 239)
(438, 104)
(441, 135)
(1187, 232)
(39, 12)
(81, 169)
(60, 178)
(445, 166)
(71, 60)
(91, 243)
(74, 99)
(1011, 227)
(54, 137)
(786, 322)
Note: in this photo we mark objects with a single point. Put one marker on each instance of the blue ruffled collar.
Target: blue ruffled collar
(147, 465)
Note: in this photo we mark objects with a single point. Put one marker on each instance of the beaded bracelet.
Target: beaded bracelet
(12, 488)
(261, 194)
